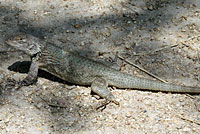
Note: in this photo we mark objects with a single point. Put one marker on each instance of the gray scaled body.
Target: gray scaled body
(79, 70)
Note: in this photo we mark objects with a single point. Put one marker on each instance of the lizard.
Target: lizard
(80, 70)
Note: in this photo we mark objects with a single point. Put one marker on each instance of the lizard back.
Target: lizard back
(80, 70)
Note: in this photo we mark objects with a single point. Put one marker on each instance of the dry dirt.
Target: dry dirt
(161, 36)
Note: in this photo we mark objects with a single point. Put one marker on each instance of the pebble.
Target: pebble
(103, 23)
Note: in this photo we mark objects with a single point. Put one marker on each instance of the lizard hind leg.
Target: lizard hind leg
(100, 87)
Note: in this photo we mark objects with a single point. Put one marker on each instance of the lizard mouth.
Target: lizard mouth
(13, 43)
(10, 42)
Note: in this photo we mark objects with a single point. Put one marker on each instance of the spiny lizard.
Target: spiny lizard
(76, 69)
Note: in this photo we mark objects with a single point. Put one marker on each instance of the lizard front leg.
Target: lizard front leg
(31, 78)
(100, 87)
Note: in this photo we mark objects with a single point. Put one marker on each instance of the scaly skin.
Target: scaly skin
(80, 70)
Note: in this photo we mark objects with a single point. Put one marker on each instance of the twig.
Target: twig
(166, 47)
(52, 105)
(189, 39)
(142, 69)
(123, 4)
(192, 97)
(183, 118)
(157, 50)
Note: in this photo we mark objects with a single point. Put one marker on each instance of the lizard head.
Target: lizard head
(26, 43)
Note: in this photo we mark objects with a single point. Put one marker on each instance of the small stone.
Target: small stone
(52, 7)
(7, 129)
(39, 128)
(35, 12)
(150, 7)
(82, 43)
(39, 105)
(128, 115)
(77, 26)
(186, 129)
(24, 1)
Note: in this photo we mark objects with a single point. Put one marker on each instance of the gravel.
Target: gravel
(161, 36)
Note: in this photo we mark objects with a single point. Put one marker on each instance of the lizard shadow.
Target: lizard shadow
(56, 110)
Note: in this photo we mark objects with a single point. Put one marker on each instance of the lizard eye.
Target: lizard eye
(20, 38)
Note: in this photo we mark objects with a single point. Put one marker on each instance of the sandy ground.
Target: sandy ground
(161, 36)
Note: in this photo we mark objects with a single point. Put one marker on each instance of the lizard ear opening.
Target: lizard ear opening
(33, 48)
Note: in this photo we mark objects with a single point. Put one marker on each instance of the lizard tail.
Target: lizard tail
(129, 81)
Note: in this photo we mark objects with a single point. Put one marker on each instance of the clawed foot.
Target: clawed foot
(11, 83)
(27, 82)
(19, 84)
(115, 102)
(15, 84)
(105, 103)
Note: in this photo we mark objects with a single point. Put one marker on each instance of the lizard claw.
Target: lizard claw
(105, 103)
(12, 84)
(17, 84)
(26, 82)
(116, 102)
